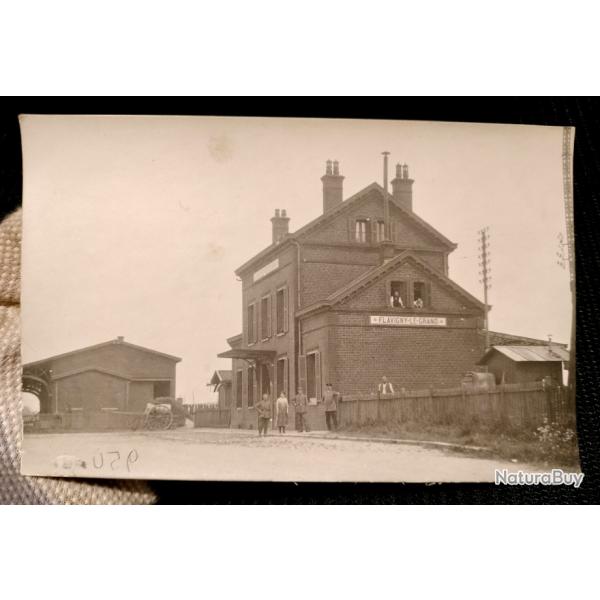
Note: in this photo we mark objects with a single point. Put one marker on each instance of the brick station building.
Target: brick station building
(317, 304)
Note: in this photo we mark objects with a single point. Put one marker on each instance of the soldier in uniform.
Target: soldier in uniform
(263, 410)
(301, 405)
(330, 399)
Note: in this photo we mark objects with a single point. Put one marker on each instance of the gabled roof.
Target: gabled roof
(520, 353)
(376, 273)
(508, 339)
(114, 342)
(221, 376)
(343, 206)
(340, 208)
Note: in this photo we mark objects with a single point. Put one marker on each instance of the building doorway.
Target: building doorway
(282, 377)
(265, 380)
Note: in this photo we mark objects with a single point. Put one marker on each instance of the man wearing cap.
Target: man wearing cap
(301, 405)
(385, 387)
(330, 400)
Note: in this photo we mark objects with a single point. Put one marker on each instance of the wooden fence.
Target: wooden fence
(511, 406)
(210, 415)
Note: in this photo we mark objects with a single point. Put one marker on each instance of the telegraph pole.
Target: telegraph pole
(485, 271)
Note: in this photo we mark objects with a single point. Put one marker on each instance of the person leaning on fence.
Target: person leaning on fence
(385, 388)
(263, 410)
(330, 400)
(281, 411)
(301, 406)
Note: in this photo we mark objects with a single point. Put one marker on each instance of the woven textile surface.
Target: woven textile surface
(15, 488)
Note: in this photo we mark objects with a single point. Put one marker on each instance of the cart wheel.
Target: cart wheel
(157, 422)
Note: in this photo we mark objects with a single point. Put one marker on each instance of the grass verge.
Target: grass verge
(548, 445)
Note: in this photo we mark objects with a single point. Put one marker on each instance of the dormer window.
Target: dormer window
(420, 294)
(360, 231)
(398, 297)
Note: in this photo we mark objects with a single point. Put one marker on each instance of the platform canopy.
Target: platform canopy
(250, 354)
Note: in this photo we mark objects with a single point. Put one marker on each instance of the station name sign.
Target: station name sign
(272, 266)
(400, 321)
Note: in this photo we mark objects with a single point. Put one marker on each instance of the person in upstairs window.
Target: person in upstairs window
(418, 303)
(396, 300)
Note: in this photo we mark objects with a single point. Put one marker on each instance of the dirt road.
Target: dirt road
(233, 454)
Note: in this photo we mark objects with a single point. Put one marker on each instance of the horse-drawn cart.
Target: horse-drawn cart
(163, 413)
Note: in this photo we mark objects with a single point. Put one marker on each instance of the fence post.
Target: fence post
(378, 406)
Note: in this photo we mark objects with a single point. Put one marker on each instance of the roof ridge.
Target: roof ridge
(340, 208)
(115, 342)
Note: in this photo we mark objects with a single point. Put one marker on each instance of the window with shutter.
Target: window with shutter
(255, 326)
(250, 387)
(251, 324)
(319, 385)
(280, 316)
(264, 318)
(239, 388)
(285, 309)
(302, 374)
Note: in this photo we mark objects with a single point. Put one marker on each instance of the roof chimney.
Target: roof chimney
(280, 224)
(120, 338)
(402, 187)
(333, 193)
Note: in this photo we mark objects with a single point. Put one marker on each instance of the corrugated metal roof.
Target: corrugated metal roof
(534, 353)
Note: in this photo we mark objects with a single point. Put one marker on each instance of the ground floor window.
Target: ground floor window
(250, 387)
(313, 376)
(238, 388)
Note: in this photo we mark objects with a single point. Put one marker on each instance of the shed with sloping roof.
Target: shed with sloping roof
(526, 363)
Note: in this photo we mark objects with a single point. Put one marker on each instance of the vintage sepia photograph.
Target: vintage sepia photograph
(291, 299)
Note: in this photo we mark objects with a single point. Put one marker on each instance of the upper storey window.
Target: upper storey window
(251, 323)
(420, 294)
(379, 227)
(281, 310)
(265, 317)
(398, 294)
(360, 230)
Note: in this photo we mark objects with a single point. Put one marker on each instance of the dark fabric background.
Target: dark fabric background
(583, 113)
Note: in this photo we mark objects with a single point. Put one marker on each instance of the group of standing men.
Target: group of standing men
(300, 403)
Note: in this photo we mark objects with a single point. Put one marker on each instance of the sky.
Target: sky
(133, 226)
